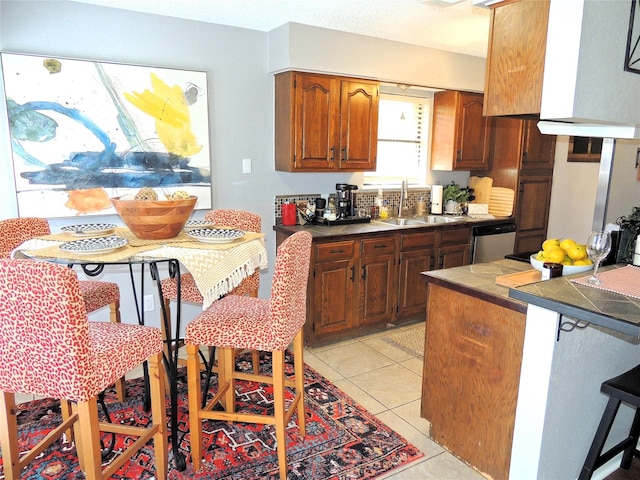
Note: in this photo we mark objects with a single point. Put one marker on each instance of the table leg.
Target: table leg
(171, 359)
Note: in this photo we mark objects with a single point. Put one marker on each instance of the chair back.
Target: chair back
(15, 231)
(247, 221)
(288, 303)
(44, 331)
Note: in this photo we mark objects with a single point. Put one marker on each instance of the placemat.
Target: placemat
(624, 281)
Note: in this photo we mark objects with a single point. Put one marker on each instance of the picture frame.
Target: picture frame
(83, 132)
(632, 53)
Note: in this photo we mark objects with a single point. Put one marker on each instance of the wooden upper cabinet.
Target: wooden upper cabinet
(515, 59)
(538, 150)
(325, 123)
(461, 134)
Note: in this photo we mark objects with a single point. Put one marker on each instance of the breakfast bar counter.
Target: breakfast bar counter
(512, 375)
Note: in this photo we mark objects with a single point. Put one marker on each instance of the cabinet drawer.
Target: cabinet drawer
(410, 241)
(378, 246)
(334, 251)
(458, 236)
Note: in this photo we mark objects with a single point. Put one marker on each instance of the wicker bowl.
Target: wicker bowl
(155, 219)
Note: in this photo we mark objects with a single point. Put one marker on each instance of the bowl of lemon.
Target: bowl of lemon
(570, 254)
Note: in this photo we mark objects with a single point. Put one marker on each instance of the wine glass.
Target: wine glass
(598, 247)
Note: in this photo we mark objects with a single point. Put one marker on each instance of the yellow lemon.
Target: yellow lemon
(550, 243)
(555, 255)
(577, 252)
(567, 244)
(540, 255)
(583, 262)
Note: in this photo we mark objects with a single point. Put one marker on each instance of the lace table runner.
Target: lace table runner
(624, 281)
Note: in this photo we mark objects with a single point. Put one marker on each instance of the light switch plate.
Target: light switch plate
(246, 165)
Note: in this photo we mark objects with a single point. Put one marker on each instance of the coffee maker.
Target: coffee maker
(346, 200)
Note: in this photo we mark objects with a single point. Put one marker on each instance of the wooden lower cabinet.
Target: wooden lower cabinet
(363, 284)
(473, 352)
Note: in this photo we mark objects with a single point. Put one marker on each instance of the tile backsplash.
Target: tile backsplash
(364, 199)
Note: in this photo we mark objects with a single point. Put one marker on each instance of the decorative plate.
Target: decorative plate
(94, 245)
(89, 229)
(215, 235)
(192, 224)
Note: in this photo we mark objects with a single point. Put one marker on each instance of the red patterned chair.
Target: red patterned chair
(49, 348)
(246, 221)
(236, 322)
(96, 294)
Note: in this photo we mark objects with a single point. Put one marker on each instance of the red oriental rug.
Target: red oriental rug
(343, 440)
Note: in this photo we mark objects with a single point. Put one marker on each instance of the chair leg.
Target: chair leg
(9, 436)
(159, 415)
(298, 369)
(87, 435)
(599, 439)
(280, 411)
(65, 412)
(195, 420)
(114, 316)
(634, 433)
(226, 367)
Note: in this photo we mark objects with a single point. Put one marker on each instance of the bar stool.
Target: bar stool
(623, 388)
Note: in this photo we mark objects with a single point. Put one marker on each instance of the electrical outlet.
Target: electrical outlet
(148, 303)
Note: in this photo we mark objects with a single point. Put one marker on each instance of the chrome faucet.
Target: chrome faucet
(403, 196)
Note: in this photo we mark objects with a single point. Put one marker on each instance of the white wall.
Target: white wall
(238, 63)
(573, 194)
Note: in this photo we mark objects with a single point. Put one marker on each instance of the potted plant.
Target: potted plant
(452, 196)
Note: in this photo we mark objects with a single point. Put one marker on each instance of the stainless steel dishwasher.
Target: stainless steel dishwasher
(493, 242)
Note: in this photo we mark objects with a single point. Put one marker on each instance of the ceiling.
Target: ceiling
(460, 27)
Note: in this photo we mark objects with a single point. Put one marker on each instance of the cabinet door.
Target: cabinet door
(377, 293)
(333, 297)
(316, 111)
(515, 59)
(532, 212)
(538, 150)
(472, 133)
(454, 256)
(413, 291)
(460, 134)
(359, 125)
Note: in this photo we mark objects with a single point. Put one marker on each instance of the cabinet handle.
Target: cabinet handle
(364, 272)
(432, 264)
(337, 250)
(344, 154)
(331, 159)
(459, 156)
(442, 261)
(524, 156)
(381, 246)
(353, 277)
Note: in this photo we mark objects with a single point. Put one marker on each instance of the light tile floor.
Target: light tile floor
(387, 381)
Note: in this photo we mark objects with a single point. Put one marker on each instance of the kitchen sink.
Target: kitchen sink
(415, 221)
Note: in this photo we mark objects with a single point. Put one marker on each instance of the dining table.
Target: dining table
(217, 265)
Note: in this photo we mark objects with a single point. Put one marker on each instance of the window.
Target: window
(403, 126)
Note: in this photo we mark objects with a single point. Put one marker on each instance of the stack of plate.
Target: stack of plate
(501, 201)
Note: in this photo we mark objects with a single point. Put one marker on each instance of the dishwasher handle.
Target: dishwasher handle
(484, 230)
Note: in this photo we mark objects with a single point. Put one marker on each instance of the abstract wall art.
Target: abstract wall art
(83, 132)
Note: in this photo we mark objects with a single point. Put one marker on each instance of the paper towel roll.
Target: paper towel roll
(436, 199)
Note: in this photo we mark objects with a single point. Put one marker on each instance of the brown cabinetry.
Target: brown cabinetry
(522, 159)
(378, 291)
(362, 282)
(516, 57)
(422, 252)
(325, 123)
(460, 133)
(473, 356)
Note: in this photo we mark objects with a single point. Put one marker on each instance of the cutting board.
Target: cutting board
(481, 188)
(501, 201)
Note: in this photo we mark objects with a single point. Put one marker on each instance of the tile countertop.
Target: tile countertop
(611, 311)
(323, 231)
